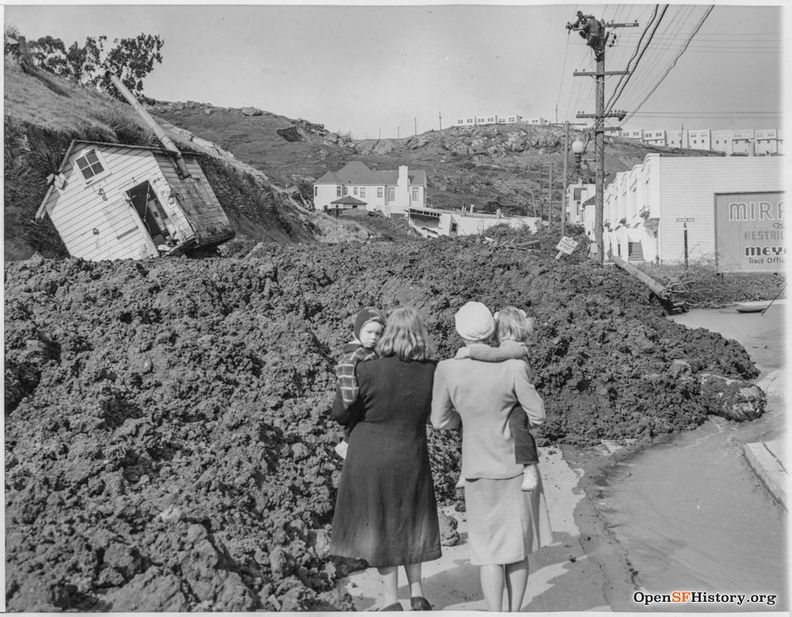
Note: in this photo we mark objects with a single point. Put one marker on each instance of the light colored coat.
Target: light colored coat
(482, 395)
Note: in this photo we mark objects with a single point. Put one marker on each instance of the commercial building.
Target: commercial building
(647, 208)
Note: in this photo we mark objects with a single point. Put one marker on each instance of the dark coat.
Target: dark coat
(386, 513)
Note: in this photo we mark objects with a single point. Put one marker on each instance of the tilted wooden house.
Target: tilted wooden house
(113, 201)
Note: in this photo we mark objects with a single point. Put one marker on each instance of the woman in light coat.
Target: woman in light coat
(505, 524)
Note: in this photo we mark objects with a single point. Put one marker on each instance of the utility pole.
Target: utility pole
(566, 178)
(596, 35)
(415, 124)
(440, 118)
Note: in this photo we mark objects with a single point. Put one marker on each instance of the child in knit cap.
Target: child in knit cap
(368, 327)
(514, 327)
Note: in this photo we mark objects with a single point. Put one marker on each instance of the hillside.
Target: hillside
(43, 113)
(490, 166)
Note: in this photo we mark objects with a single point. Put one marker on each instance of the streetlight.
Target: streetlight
(577, 150)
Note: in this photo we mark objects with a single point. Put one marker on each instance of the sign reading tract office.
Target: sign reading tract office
(749, 232)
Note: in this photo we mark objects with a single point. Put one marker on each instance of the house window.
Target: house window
(362, 191)
(355, 191)
(338, 191)
(453, 228)
(344, 190)
(391, 193)
(379, 192)
(89, 164)
(415, 193)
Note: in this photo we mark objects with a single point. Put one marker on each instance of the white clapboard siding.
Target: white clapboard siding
(79, 209)
(687, 188)
(204, 211)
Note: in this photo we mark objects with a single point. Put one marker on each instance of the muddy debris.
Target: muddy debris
(168, 441)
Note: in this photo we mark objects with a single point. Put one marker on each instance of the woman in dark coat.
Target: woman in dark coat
(385, 511)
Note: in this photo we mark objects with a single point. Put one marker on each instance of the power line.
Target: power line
(679, 55)
(621, 85)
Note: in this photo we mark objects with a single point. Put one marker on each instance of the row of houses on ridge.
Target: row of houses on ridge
(490, 118)
(732, 142)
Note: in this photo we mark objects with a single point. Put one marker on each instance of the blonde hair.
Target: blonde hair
(514, 324)
(404, 336)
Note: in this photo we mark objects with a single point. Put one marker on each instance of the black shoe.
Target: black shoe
(391, 607)
(419, 603)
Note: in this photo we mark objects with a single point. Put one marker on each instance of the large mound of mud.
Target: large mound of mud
(168, 445)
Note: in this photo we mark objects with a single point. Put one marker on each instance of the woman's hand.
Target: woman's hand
(462, 352)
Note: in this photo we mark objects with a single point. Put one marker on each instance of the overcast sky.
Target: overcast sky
(389, 70)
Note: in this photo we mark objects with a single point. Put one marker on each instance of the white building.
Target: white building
(722, 141)
(388, 191)
(641, 206)
(492, 118)
(766, 142)
(577, 195)
(700, 139)
(432, 223)
(654, 137)
(113, 201)
(740, 142)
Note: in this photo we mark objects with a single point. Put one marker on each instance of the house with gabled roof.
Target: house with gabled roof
(388, 191)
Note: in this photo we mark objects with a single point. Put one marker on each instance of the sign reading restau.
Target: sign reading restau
(749, 232)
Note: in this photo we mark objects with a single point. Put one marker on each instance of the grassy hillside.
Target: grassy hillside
(43, 114)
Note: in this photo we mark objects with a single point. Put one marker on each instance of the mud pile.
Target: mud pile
(168, 445)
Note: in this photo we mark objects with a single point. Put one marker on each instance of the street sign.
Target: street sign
(565, 246)
(683, 219)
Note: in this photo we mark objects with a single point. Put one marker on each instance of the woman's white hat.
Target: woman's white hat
(474, 322)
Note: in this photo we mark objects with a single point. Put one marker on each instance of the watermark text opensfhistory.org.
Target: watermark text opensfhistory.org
(703, 597)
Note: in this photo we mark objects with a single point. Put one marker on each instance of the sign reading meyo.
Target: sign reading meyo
(749, 232)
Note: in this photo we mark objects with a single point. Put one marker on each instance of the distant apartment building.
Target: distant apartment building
(766, 141)
(722, 141)
(676, 139)
(700, 139)
(508, 118)
(739, 142)
(654, 138)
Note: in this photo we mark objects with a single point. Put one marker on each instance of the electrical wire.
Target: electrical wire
(618, 93)
(673, 64)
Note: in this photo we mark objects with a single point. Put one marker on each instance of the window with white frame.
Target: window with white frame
(344, 190)
(415, 193)
(362, 191)
(89, 164)
(391, 193)
(338, 190)
(355, 190)
(380, 191)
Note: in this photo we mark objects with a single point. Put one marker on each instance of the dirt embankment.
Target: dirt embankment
(168, 445)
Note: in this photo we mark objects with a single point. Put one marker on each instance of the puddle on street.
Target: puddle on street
(693, 516)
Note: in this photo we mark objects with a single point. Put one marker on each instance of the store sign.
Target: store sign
(749, 232)
(565, 246)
